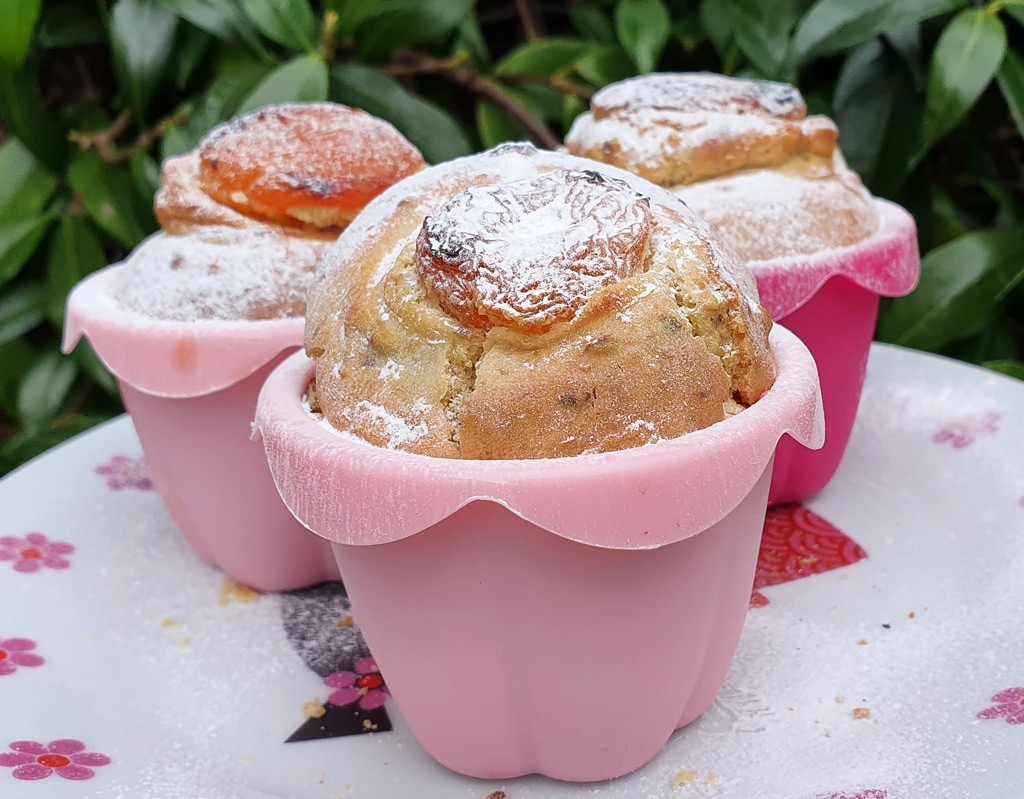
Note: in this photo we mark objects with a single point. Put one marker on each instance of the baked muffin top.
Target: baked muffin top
(527, 304)
(247, 215)
(742, 153)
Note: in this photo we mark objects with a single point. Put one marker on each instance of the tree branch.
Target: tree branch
(556, 82)
(533, 27)
(104, 142)
(460, 74)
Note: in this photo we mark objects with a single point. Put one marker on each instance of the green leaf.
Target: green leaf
(643, 28)
(18, 241)
(833, 25)
(862, 105)
(26, 184)
(146, 174)
(23, 447)
(141, 37)
(966, 58)
(962, 282)
(222, 19)
(717, 25)
(605, 64)
(1008, 367)
(387, 25)
(21, 309)
(469, 40)
(24, 116)
(542, 57)
(592, 24)
(1011, 83)
(303, 79)
(67, 25)
(496, 127)
(19, 23)
(43, 390)
(17, 356)
(109, 197)
(89, 362)
(427, 126)
(762, 32)
(193, 45)
(288, 22)
(689, 32)
(74, 253)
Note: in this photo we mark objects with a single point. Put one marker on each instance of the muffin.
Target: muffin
(248, 213)
(743, 154)
(201, 312)
(525, 304)
(515, 305)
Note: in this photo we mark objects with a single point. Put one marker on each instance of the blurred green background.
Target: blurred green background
(928, 95)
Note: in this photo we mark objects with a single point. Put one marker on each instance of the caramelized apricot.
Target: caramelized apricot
(530, 253)
(311, 165)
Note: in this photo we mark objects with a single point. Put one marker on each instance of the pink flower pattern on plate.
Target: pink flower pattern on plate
(965, 432)
(34, 552)
(123, 472)
(365, 686)
(66, 758)
(15, 652)
(873, 793)
(1009, 706)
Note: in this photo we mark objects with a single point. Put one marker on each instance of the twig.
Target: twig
(532, 26)
(458, 73)
(556, 82)
(328, 42)
(104, 142)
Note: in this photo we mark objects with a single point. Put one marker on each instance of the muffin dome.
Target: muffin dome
(527, 304)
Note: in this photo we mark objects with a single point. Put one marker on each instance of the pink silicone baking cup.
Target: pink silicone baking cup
(559, 616)
(830, 300)
(191, 390)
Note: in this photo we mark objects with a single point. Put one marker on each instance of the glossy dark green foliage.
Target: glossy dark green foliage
(928, 96)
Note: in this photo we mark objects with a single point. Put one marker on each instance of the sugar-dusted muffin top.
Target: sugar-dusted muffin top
(742, 153)
(528, 304)
(248, 214)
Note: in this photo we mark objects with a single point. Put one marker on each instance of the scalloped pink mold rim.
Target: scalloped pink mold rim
(191, 390)
(489, 591)
(830, 300)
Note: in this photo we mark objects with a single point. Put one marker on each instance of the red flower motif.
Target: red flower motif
(34, 552)
(796, 543)
(364, 686)
(874, 793)
(32, 760)
(1009, 706)
(124, 472)
(965, 432)
(15, 652)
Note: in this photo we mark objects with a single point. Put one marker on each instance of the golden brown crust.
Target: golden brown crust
(649, 357)
(742, 153)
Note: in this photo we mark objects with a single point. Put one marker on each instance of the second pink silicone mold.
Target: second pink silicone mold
(830, 300)
(191, 390)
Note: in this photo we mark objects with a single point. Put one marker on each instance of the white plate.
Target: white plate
(865, 680)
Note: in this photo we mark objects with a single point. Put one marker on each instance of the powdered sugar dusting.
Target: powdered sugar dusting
(531, 252)
(219, 273)
(702, 91)
(397, 430)
(766, 213)
(646, 138)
